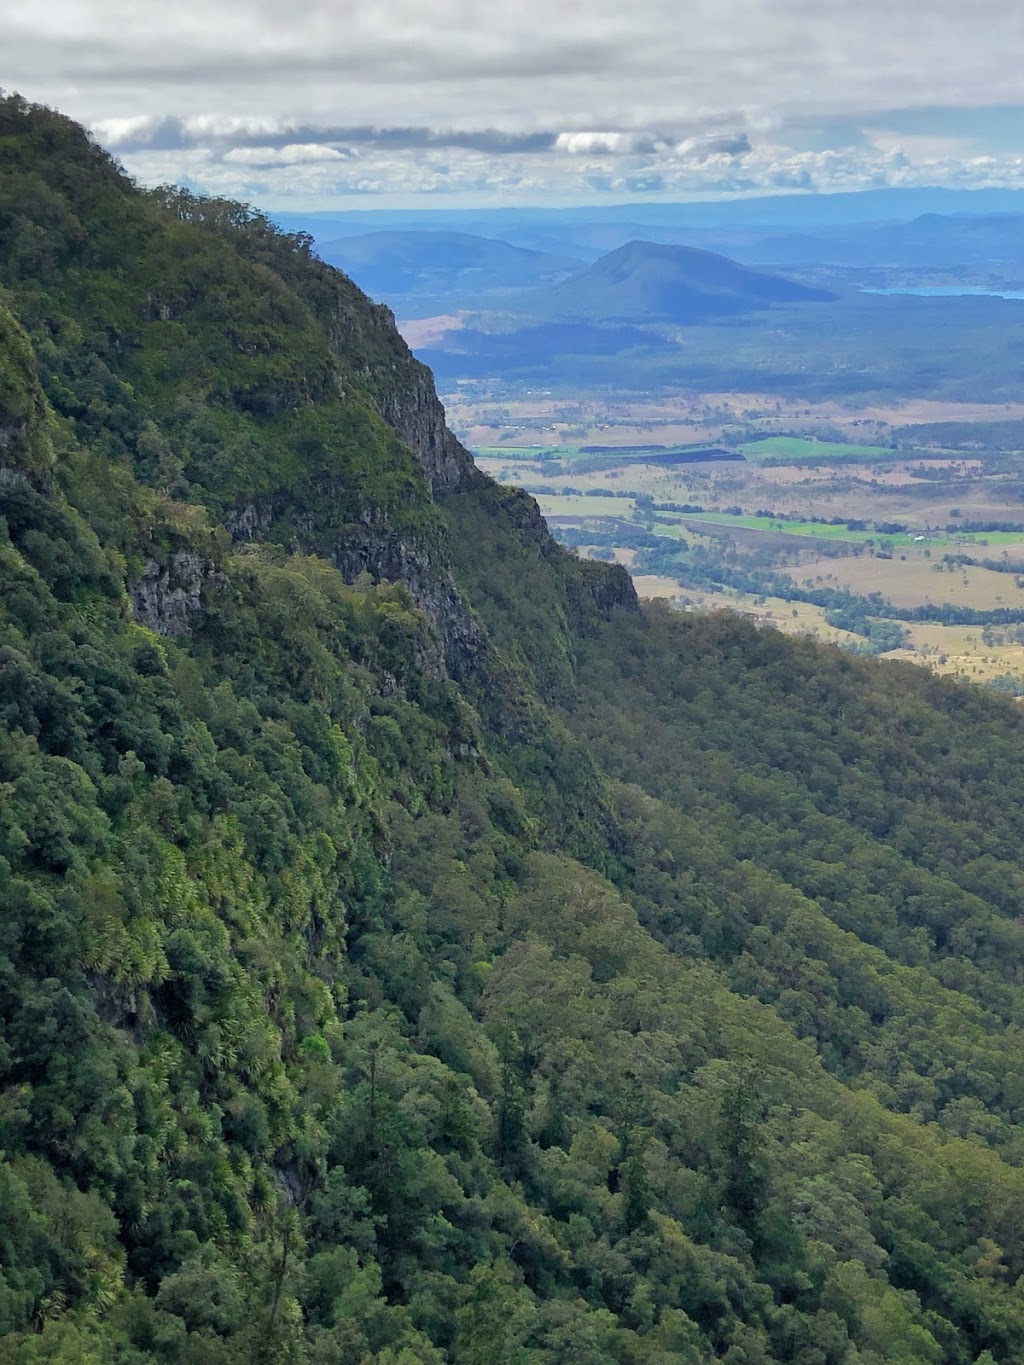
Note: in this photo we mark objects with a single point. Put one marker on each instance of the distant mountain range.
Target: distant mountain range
(650, 282)
(627, 307)
(423, 273)
(673, 273)
(777, 213)
(976, 236)
(932, 241)
(650, 313)
(442, 270)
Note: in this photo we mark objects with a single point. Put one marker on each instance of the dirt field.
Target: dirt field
(554, 505)
(792, 618)
(895, 493)
(914, 581)
(654, 585)
(962, 652)
(917, 410)
(683, 419)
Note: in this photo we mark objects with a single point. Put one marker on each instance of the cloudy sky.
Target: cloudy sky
(334, 103)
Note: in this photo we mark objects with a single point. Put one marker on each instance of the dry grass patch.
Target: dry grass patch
(913, 581)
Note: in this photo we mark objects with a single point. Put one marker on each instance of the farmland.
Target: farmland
(800, 448)
(832, 523)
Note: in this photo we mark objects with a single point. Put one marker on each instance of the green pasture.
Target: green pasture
(816, 529)
(897, 539)
(800, 448)
(539, 452)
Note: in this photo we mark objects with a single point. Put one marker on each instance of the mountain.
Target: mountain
(407, 270)
(411, 950)
(569, 230)
(654, 282)
(993, 243)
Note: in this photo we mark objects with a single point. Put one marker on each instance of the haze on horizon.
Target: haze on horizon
(315, 105)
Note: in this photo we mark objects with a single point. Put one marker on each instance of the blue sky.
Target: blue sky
(315, 104)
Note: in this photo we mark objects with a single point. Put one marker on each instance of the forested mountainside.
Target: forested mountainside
(411, 950)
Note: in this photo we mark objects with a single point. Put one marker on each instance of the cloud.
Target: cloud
(168, 133)
(703, 148)
(291, 154)
(404, 176)
(660, 93)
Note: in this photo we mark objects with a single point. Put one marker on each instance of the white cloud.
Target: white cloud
(586, 144)
(291, 154)
(666, 94)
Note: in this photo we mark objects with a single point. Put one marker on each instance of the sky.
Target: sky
(308, 104)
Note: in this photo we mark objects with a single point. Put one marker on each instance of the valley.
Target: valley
(812, 457)
(920, 548)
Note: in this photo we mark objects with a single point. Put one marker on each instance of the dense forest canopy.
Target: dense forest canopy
(411, 950)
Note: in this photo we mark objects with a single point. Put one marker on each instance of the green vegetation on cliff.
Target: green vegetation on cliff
(409, 950)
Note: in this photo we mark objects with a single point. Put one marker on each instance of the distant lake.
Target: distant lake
(950, 291)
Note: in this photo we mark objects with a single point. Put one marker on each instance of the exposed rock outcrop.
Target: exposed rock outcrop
(430, 583)
(251, 522)
(401, 388)
(415, 412)
(598, 589)
(168, 597)
(324, 516)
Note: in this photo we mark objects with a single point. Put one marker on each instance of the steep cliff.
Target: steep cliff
(227, 365)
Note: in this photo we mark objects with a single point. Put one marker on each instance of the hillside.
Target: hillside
(411, 950)
(653, 282)
(411, 271)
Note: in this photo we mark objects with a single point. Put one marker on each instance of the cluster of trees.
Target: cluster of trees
(980, 527)
(651, 994)
(880, 635)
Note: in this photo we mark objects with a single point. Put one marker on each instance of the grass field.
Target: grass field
(559, 505)
(799, 448)
(914, 581)
(975, 543)
(806, 528)
(879, 485)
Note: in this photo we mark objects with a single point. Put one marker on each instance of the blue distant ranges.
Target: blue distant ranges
(837, 296)
(796, 296)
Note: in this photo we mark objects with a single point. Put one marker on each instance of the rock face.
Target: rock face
(168, 597)
(601, 589)
(402, 391)
(371, 547)
(415, 412)
(251, 522)
(430, 583)
(11, 478)
(319, 513)
(401, 388)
